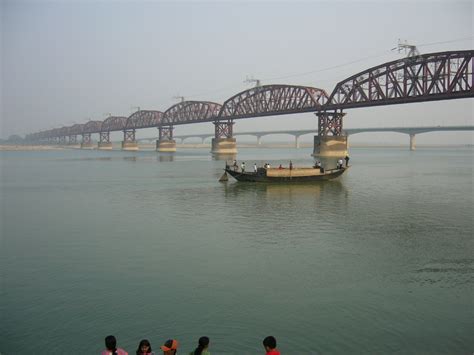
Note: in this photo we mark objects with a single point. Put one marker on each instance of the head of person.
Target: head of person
(203, 344)
(269, 343)
(110, 343)
(170, 347)
(144, 347)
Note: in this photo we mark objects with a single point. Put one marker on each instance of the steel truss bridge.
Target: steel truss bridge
(427, 77)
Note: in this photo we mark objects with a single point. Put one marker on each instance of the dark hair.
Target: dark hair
(270, 342)
(111, 343)
(203, 343)
(144, 342)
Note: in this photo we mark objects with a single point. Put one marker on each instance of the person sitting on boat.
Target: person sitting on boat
(268, 166)
(235, 165)
(280, 167)
(339, 164)
(242, 167)
(317, 164)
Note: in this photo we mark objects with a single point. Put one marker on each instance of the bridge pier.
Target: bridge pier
(86, 142)
(412, 141)
(330, 146)
(297, 143)
(72, 139)
(259, 140)
(104, 141)
(223, 142)
(165, 142)
(129, 143)
(330, 141)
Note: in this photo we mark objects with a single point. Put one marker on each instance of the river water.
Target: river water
(142, 245)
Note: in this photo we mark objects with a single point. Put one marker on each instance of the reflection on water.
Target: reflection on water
(282, 190)
(227, 157)
(166, 157)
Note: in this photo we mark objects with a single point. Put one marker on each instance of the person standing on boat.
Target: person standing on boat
(255, 167)
(242, 167)
(291, 165)
(235, 165)
(347, 160)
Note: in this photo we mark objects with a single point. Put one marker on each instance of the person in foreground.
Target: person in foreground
(270, 344)
(203, 345)
(170, 347)
(111, 347)
(144, 348)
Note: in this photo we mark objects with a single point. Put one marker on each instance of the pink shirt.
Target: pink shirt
(119, 352)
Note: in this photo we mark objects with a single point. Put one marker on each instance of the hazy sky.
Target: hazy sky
(64, 62)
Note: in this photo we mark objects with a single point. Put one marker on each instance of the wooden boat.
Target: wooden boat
(285, 175)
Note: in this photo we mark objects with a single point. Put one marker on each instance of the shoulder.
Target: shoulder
(121, 352)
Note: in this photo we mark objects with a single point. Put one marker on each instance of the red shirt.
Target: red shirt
(273, 352)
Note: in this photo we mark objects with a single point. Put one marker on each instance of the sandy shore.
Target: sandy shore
(8, 147)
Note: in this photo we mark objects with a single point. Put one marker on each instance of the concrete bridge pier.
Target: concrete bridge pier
(297, 143)
(223, 142)
(86, 142)
(330, 146)
(412, 141)
(165, 142)
(129, 143)
(104, 141)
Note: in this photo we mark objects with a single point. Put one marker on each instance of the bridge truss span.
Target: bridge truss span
(272, 100)
(144, 119)
(191, 112)
(428, 77)
(113, 123)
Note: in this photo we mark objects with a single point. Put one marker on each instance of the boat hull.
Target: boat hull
(262, 175)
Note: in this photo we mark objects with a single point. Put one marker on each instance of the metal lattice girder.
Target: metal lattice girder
(76, 129)
(104, 137)
(165, 133)
(273, 100)
(72, 139)
(129, 135)
(53, 133)
(434, 76)
(223, 129)
(92, 127)
(113, 123)
(144, 119)
(63, 132)
(191, 111)
(330, 123)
